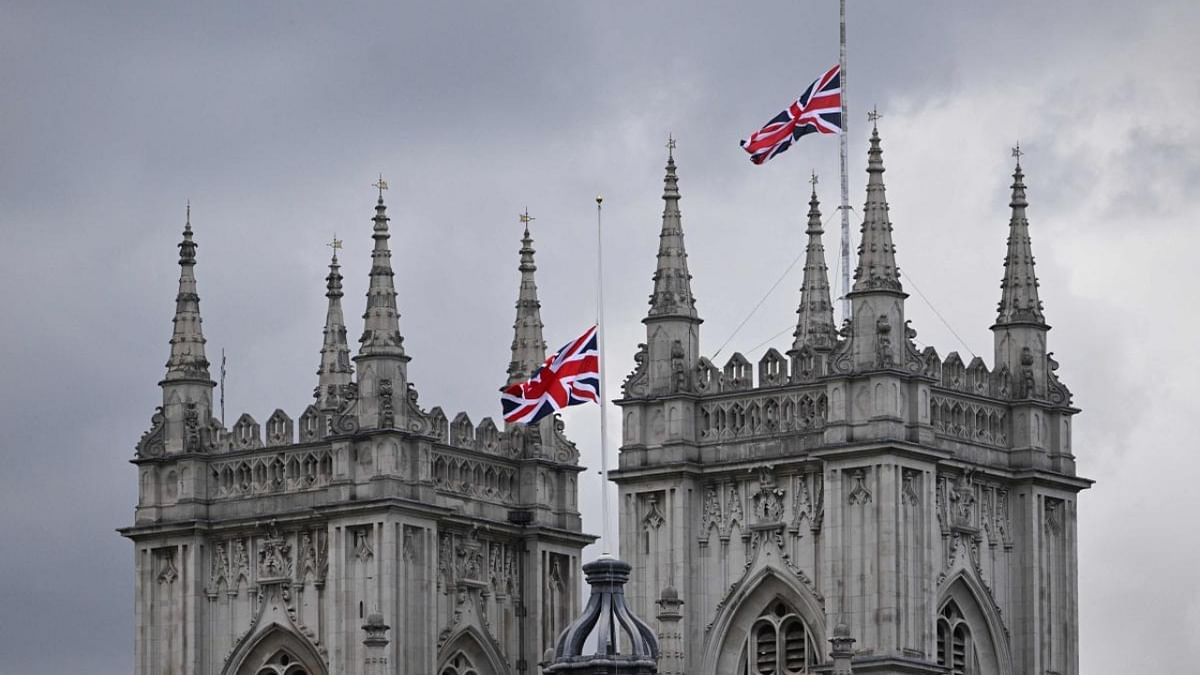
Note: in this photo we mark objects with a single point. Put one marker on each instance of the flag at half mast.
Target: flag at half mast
(568, 377)
(818, 110)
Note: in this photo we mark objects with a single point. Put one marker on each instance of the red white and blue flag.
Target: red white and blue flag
(569, 377)
(819, 110)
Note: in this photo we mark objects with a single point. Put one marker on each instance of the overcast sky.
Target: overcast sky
(274, 119)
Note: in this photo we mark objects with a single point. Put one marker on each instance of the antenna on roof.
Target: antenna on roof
(222, 386)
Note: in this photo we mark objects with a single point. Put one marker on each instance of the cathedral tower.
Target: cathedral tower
(368, 536)
(922, 505)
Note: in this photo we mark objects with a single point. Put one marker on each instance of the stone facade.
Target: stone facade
(924, 506)
(367, 536)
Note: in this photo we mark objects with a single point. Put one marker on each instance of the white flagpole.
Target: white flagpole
(845, 174)
(603, 360)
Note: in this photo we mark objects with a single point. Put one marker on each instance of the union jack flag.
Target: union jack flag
(570, 376)
(819, 109)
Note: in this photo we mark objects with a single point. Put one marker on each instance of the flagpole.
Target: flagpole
(845, 172)
(603, 360)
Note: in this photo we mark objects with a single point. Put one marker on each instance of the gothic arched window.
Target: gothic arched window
(459, 665)
(779, 643)
(283, 663)
(955, 648)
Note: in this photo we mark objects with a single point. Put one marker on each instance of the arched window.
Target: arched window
(956, 650)
(282, 663)
(459, 665)
(779, 643)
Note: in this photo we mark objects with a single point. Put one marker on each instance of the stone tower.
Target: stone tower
(368, 536)
(923, 505)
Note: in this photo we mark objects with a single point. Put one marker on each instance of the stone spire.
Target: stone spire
(879, 335)
(1019, 301)
(1019, 334)
(187, 388)
(672, 294)
(528, 346)
(876, 254)
(187, 362)
(381, 331)
(335, 371)
(667, 361)
(814, 325)
(383, 394)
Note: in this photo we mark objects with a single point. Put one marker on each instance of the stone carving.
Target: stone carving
(445, 562)
(654, 517)
(469, 558)
(313, 556)
(1053, 520)
(240, 564)
(968, 419)
(362, 544)
(818, 501)
(679, 372)
(1056, 390)
(1028, 383)
(635, 383)
(408, 551)
(152, 442)
(962, 499)
(220, 566)
(274, 557)
(908, 490)
(167, 573)
(711, 513)
(734, 509)
(883, 343)
(387, 416)
(345, 419)
(1002, 527)
(191, 428)
(943, 509)
(768, 501)
(860, 494)
(802, 504)
(554, 581)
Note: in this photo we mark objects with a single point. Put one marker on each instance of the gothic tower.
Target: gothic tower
(368, 536)
(924, 506)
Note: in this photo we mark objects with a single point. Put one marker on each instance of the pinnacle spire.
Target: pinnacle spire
(335, 370)
(814, 325)
(528, 346)
(381, 331)
(672, 294)
(1019, 302)
(187, 360)
(876, 254)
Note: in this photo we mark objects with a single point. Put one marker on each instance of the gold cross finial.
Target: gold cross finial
(814, 180)
(1016, 151)
(670, 146)
(873, 116)
(381, 184)
(525, 217)
(335, 244)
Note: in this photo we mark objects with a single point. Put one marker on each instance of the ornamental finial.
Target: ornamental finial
(381, 184)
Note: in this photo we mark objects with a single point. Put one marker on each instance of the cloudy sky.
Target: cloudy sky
(275, 118)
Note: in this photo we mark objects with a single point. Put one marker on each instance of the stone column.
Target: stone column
(670, 634)
(375, 662)
(842, 650)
